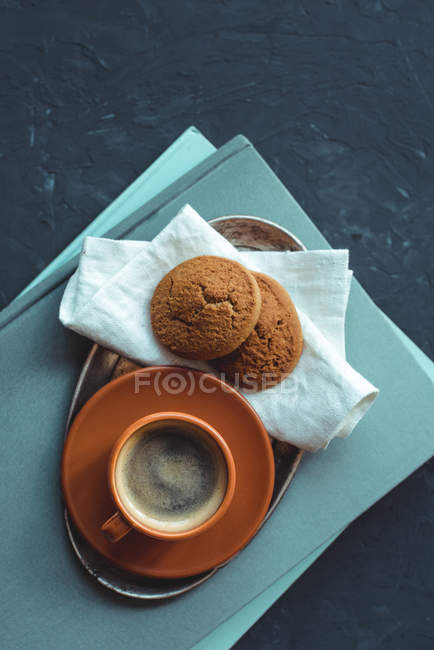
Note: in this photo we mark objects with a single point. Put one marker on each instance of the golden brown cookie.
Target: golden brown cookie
(274, 347)
(205, 307)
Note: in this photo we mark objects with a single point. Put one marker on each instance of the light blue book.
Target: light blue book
(186, 152)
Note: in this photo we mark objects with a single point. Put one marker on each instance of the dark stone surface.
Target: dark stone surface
(338, 97)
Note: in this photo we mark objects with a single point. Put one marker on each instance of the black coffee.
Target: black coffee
(171, 477)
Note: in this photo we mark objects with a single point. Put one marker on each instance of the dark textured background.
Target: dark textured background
(338, 96)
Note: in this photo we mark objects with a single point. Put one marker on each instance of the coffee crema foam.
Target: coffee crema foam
(171, 476)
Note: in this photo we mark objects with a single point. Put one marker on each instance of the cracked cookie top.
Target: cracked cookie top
(274, 347)
(205, 307)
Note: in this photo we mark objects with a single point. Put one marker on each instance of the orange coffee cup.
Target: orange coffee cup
(171, 476)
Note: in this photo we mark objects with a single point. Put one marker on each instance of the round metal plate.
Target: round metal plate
(102, 365)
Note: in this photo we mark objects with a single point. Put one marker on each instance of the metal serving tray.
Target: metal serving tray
(102, 365)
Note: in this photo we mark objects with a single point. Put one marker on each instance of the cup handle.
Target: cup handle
(115, 528)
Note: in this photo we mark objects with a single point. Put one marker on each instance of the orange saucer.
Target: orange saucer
(130, 397)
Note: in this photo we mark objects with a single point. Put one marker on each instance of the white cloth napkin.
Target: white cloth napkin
(108, 300)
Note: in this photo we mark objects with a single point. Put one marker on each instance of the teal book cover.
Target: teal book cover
(353, 473)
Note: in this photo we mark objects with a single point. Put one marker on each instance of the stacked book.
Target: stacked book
(41, 362)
